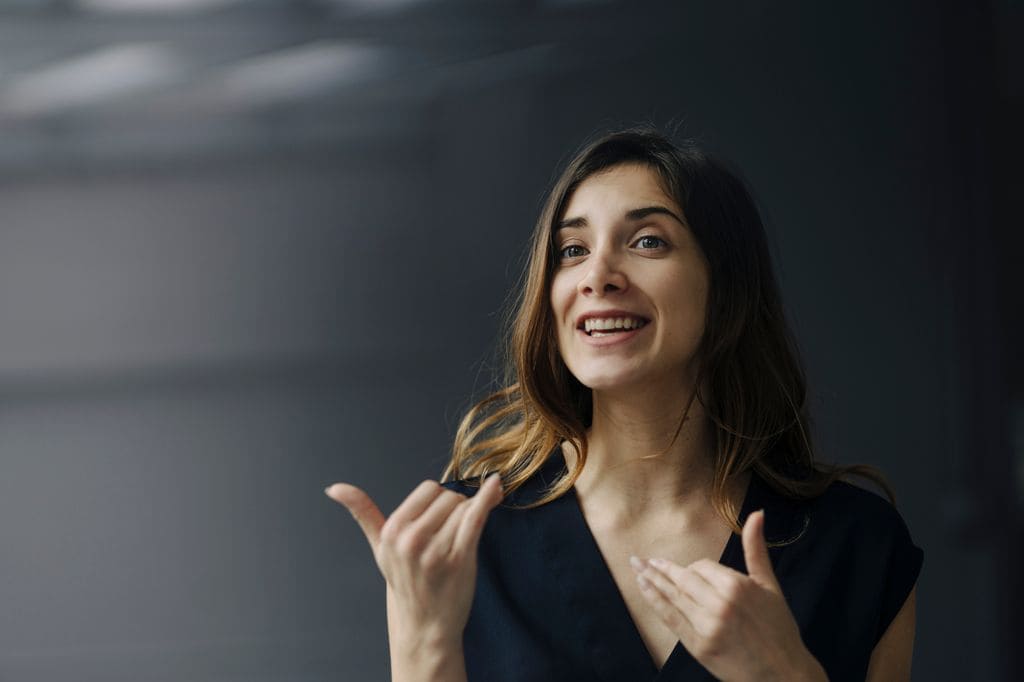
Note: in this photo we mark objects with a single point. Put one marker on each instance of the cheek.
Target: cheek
(696, 309)
(560, 297)
(686, 296)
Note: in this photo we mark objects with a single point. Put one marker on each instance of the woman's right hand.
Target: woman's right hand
(426, 551)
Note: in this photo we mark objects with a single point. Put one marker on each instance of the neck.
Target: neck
(641, 460)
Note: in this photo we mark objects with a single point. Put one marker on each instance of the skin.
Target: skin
(738, 626)
(893, 654)
(641, 482)
(718, 612)
(651, 266)
(426, 551)
(655, 268)
(638, 482)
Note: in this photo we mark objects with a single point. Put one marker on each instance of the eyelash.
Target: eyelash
(562, 255)
(661, 244)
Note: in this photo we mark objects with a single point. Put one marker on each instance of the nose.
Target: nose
(602, 276)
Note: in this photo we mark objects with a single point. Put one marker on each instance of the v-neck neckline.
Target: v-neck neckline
(613, 638)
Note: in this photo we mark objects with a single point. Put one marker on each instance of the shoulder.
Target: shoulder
(859, 525)
(846, 531)
(527, 492)
(842, 497)
(866, 543)
(858, 513)
(842, 514)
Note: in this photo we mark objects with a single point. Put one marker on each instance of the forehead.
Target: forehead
(617, 189)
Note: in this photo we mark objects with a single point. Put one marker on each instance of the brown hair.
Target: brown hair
(752, 383)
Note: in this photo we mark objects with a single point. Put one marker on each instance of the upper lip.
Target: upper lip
(606, 314)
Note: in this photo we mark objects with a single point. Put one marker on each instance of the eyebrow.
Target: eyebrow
(632, 216)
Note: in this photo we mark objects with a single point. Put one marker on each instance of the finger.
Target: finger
(433, 517)
(445, 538)
(695, 586)
(415, 504)
(699, 601)
(725, 581)
(362, 508)
(670, 578)
(660, 580)
(676, 618)
(472, 525)
(755, 551)
(674, 571)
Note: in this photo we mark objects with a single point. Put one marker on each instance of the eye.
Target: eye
(571, 251)
(649, 241)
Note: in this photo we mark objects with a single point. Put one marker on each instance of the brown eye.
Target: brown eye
(572, 251)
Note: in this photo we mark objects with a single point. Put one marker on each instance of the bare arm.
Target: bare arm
(890, 661)
(415, 658)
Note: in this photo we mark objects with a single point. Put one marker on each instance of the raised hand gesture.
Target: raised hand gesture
(737, 626)
(426, 551)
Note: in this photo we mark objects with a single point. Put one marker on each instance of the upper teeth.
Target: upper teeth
(592, 323)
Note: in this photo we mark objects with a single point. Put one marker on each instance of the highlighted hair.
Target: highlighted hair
(752, 385)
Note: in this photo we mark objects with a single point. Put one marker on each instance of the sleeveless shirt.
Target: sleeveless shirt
(547, 609)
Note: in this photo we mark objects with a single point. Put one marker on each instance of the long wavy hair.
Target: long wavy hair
(751, 383)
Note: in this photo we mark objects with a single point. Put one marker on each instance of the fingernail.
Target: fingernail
(327, 490)
(636, 564)
(643, 582)
(657, 563)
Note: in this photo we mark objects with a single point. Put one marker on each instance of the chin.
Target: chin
(608, 381)
(618, 376)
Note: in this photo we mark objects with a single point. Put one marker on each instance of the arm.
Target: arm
(890, 661)
(415, 658)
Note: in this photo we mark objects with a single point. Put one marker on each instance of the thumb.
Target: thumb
(362, 508)
(755, 551)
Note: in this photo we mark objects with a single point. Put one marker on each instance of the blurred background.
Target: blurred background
(252, 247)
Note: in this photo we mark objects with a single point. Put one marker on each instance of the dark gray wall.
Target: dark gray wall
(192, 350)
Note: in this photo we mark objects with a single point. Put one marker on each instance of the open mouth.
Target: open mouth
(597, 327)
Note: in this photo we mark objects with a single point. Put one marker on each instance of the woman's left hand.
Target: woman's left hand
(737, 626)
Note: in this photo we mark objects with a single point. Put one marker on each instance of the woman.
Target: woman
(654, 408)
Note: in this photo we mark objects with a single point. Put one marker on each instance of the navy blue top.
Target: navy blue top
(547, 609)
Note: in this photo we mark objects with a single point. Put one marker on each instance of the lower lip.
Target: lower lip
(612, 339)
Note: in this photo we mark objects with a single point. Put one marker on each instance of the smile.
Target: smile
(608, 326)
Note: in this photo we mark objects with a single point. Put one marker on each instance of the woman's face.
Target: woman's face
(630, 284)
